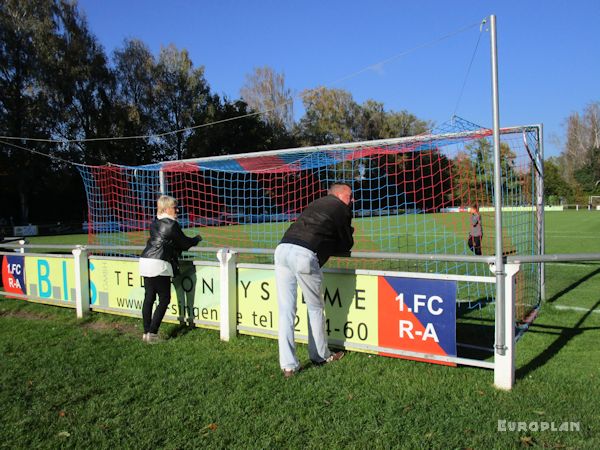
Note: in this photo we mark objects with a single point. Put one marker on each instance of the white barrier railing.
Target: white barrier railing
(503, 364)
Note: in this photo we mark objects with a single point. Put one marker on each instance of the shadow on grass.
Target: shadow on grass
(565, 334)
(474, 334)
(572, 286)
(179, 330)
(475, 340)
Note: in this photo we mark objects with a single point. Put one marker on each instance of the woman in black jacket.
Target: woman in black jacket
(158, 263)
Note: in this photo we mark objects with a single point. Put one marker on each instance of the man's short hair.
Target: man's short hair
(338, 186)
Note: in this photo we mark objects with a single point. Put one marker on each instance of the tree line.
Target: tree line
(57, 83)
(574, 175)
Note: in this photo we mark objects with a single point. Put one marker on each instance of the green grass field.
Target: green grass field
(94, 384)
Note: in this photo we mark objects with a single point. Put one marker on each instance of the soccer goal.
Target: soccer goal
(594, 202)
(411, 195)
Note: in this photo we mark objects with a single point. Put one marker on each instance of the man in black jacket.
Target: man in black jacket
(158, 263)
(322, 230)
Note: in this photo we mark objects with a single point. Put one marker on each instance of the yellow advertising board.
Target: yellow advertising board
(378, 313)
(257, 301)
(350, 305)
(50, 278)
(116, 286)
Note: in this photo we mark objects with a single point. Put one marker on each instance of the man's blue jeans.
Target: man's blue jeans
(297, 265)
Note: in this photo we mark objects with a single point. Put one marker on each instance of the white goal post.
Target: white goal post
(594, 202)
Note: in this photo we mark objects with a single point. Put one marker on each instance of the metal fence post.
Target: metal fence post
(228, 293)
(22, 242)
(504, 363)
(82, 281)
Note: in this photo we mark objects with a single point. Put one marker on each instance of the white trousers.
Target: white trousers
(297, 265)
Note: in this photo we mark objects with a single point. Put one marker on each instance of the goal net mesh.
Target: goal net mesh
(411, 195)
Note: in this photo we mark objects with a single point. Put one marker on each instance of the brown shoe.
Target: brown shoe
(334, 357)
(288, 373)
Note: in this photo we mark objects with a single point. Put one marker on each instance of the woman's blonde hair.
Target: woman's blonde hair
(165, 202)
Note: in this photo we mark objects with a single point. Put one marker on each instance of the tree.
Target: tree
(482, 158)
(134, 73)
(332, 116)
(32, 51)
(329, 117)
(265, 92)
(246, 134)
(179, 93)
(370, 121)
(373, 122)
(583, 137)
(464, 185)
(556, 187)
(403, 123)
(85, 89)
(588, 176)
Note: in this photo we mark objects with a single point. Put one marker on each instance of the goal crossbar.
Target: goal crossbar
(422, 138)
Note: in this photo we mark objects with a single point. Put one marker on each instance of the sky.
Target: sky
(430, 58)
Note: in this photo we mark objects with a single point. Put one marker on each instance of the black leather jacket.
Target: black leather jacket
(323, 227)
(167, 241)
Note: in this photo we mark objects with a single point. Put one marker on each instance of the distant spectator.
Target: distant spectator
(476, 232)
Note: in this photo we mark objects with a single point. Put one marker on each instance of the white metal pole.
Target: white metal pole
(541, 214)
(161, 181)
(499, 263)
(228, 294)
(504, 365)
(82, 281)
